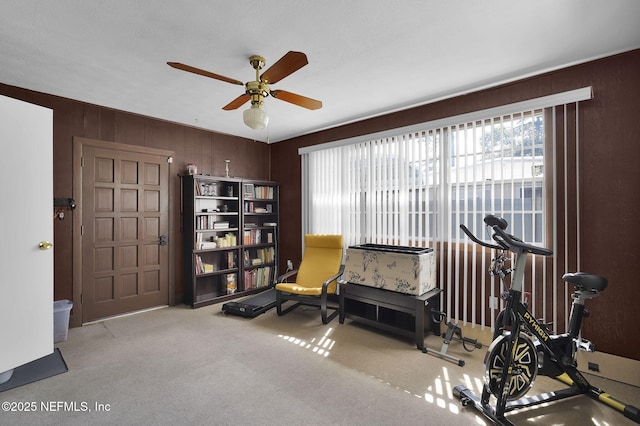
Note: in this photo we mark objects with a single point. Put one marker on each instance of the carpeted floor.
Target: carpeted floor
(181, 366)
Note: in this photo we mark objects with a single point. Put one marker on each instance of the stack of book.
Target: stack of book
(259, 277)
(202, 267)
(265, 192)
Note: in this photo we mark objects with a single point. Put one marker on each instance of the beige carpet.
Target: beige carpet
(181, 366)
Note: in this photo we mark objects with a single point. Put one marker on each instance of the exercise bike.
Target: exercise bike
(523, 348)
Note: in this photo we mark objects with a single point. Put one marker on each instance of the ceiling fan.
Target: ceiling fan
(255, 91)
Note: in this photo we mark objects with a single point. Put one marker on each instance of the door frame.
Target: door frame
(78, 146)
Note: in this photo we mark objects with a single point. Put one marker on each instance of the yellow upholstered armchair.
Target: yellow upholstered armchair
(316, 278)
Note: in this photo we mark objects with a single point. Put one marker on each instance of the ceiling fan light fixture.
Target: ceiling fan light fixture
(256, 117)
(256, 91)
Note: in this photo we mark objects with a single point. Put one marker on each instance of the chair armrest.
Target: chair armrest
(333, 278)
(286, 275)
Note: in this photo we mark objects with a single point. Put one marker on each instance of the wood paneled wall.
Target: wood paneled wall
(207, 149)
(609, 170)
(610, 151)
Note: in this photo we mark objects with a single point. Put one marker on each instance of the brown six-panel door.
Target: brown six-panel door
(124, 232)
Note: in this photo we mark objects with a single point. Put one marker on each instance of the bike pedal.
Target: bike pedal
(585, 345)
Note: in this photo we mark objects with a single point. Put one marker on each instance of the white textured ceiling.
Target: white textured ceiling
(366, 57)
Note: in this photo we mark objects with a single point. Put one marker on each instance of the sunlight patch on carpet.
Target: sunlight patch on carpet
(321, 346)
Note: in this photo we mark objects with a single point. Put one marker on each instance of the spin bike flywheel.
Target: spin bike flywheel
(524, 366)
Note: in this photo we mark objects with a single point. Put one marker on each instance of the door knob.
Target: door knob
(163, 240)
(45, 245)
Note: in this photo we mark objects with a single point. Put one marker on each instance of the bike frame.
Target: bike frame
(557, 349)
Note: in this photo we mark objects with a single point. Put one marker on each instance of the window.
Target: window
(407, 189)
(416, 185)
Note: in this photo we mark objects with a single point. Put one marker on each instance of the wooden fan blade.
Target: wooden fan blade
(195, 70)
(237, 102)
(299, 100)
(288, 64)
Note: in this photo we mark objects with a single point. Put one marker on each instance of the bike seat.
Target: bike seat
(584, 281)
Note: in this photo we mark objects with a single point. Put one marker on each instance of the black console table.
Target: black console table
(400, 313)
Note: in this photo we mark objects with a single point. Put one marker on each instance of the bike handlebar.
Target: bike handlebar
(505, 241)
(477, 241)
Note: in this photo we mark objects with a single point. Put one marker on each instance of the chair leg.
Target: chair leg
(280, 299)
(326, 319)
(323, 307)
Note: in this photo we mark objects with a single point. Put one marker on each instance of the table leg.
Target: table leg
(419, 307)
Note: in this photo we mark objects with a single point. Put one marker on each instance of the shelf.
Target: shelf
(259, 265)
(258, 245)
(216, 249)
(220, 272)
(214, 197)
(200, 212)
(399, 313)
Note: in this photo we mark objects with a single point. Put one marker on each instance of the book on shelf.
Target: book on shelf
(202, 267)
(207, 222)
(259, 277)
(231, 260)
(206, 245)
(231, 283)
(253, 236)
(264, 192)
(264, 255)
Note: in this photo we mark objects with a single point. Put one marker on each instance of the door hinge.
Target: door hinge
(81, 161)
(81, 230)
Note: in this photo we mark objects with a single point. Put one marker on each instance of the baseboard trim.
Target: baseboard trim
(613, 367)
(124, 315)
(620, 369)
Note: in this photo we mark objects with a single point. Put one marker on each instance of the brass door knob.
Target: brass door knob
(45, 245)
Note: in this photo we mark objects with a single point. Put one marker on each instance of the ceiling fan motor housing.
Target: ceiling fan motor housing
(258, 90)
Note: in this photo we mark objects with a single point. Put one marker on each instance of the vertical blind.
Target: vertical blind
(414, 186)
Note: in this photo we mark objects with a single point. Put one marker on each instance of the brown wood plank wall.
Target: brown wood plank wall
(610, 150)
(609, 200)
(207, 149)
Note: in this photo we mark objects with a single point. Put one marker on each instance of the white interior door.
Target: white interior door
(26, 220)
